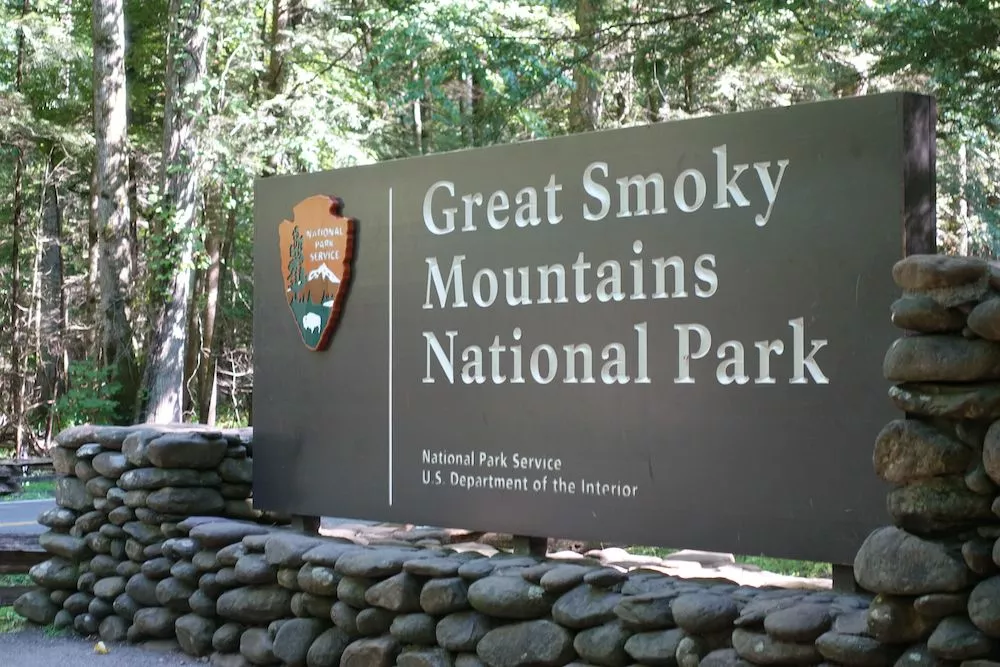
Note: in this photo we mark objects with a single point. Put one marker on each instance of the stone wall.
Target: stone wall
(935, 570)
(120, 493)
(138, 556)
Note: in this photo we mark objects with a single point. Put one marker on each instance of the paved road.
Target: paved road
(32, 648)
(21, 516)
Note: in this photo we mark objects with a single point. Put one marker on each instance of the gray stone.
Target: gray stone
(433, 567)
(932, 271)
(724, 657)
(414, 629)
(236, 471)
(329, 552)
(937, 504)
(424, 657)
(605, 577)
(186, 572)
(113, 629)
(984, 606)
(180, 547)
(174, 594)
(218, 534)
(255, 605)
(955, 401)
(647, 611)
(254, 569)
(327, 649)
(377, 652)
(143, 533)
(230, 555)
(63, 460)
(89, 450)
(373, 563)
(229, 660)
(585, 606)
(125, 606)
(172, 500)
(941, 358)
(142, 589)
(86, 624)
(984, 320)
(186, 450)
(894, 562)
(109, 588)
(317, 580)
(856, 650)
(509, 598)
(98, 487)
(148, 479)
(444, 596)
(908, 450)
(202, 604)
(539, 643)
(956, 638)
(345, 617)
(656, 649)
(36, 606)
(72, 493)
(935, 606)
(462, 631)
(352, 590)
(156, 622)
(991, 452)
(156, 568)
(604, 645)
(399, 593)
(894, 620)
(226, 638)
(65, 546)
(801, 623)
(287, 549)
(58, 518)
(921, 313)
(111, 464)
(195, 634)
(760, 649)
(108, 437)
(704, 613)
(257, 646)
(293, 639)
(373, 621)
(979, 481)
(564, 578)
(55, 573)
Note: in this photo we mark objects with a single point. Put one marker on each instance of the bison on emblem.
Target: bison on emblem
(317, 247)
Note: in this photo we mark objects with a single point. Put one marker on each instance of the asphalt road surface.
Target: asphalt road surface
(20, 517)
(32, 648)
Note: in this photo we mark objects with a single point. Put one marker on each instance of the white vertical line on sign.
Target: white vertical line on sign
(390, 347)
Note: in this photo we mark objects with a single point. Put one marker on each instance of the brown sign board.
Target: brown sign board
(664, 335)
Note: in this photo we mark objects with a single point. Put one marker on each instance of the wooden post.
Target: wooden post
(843, 579)
(527, 545)
(306, 523)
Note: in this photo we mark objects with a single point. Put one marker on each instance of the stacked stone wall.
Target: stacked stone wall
(145, 548)
(120, 494)
(935, 569)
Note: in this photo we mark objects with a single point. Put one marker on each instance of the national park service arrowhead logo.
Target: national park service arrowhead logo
(317, 246)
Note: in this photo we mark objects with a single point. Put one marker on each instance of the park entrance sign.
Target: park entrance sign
(665, 335)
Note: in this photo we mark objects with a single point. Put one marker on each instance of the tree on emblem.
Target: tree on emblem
(296, 273)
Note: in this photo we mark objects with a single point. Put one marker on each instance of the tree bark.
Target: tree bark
(179, 195)
(585, 102)
(206, 364)
(16, 222)
(52, 308)
(113, 212)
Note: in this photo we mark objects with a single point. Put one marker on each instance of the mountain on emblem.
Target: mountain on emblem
(317, 247)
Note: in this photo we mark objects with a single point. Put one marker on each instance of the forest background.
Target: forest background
(131, 132)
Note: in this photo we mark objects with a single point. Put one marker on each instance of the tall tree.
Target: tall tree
(179, 192)
(113, 211)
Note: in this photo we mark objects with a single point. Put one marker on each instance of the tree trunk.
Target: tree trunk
(206, 364)
(113, 213)
(52, 309)
(16, 222)
(179, 189)
(585, 102)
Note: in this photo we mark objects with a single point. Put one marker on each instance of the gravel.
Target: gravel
(32, 648)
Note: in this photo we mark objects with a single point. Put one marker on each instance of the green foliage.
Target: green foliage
(87, 400)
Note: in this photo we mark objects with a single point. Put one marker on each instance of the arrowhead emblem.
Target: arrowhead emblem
(317, 248)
